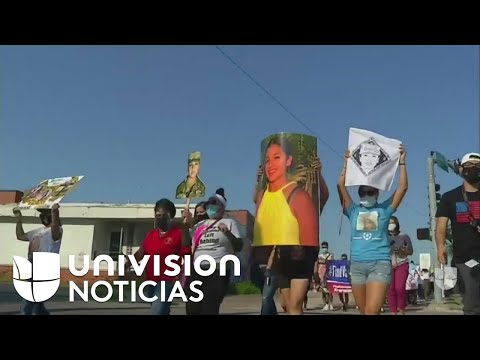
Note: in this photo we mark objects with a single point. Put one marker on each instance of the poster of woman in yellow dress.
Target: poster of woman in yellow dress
(288, 198)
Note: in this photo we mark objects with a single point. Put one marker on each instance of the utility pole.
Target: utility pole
(433, 221)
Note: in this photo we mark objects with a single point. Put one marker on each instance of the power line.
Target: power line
(301, 122)
(276, 100)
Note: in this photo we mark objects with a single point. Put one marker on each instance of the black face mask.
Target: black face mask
(202, 217)
(46, 220)
(471, 175)
(162, 223)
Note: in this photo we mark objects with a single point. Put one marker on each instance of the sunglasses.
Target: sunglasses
(367, 192)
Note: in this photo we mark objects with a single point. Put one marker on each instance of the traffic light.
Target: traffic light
(423, 234)
(438, 196)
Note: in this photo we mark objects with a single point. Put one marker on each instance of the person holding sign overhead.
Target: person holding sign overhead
(190, 188)
(44, 239)
(271, 285)
(370, 265)
(286, 222)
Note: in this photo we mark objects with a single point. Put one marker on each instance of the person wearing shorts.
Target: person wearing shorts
(370, 266)
(296, 234)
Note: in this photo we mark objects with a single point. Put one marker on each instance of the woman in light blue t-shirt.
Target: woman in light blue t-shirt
(370, 266)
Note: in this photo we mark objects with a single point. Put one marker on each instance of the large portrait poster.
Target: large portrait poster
(49, 192)
(192, 187)
(373, 159)
(288, 202)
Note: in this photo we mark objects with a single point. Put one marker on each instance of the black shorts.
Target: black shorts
(296, 262)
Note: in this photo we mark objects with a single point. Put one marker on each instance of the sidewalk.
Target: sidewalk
(232, 305)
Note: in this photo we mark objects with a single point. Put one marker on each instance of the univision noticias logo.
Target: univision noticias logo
(39, 280)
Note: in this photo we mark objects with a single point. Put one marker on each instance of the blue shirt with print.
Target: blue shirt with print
(369, 231)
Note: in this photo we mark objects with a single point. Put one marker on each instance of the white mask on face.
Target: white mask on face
(368, 201)
(392, 227)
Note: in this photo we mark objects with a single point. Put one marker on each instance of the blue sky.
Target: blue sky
(126, 117)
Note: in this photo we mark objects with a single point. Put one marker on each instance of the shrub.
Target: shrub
(243, 288)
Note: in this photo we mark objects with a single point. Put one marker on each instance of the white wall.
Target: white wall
(9, 245)
(77, 239)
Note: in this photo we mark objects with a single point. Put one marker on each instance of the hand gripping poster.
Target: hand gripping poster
(288, 192)
(49, 192)
(373, 159)
(192, 187)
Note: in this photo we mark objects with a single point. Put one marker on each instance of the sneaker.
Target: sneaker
(326, 307)
(331, 307)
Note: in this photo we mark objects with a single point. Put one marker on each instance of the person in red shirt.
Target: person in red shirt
(166, 239)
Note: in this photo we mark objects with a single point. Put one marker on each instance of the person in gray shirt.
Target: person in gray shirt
(400, 249)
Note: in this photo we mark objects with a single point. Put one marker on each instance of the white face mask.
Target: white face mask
(392, 227)
(368, 201)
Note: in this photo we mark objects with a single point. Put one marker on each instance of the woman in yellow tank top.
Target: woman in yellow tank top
(286, 214)
(287, 218)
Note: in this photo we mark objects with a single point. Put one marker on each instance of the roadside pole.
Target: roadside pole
(433, 210)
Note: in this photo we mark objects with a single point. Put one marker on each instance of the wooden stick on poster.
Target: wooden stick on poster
(186, 218)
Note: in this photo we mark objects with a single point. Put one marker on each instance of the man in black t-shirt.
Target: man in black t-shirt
(462, 207)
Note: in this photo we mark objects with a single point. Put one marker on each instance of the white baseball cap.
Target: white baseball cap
(470, 157)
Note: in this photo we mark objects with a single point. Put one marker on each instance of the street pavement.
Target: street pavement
(232, 305)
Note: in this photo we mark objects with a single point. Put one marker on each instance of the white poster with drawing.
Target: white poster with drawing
(373, 159)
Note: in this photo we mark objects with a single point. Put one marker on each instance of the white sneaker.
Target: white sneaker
(331, 307)
(326, 307)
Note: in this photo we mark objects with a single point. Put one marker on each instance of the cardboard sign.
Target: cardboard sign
(192, 187)
(49, 192)
(289, 181)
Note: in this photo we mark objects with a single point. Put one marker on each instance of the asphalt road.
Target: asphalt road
(232, 305)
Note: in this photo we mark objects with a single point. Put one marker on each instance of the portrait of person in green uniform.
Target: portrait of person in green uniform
(192, 186)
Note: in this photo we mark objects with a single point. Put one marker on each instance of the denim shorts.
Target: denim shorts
(364, 272)
(159, 307)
